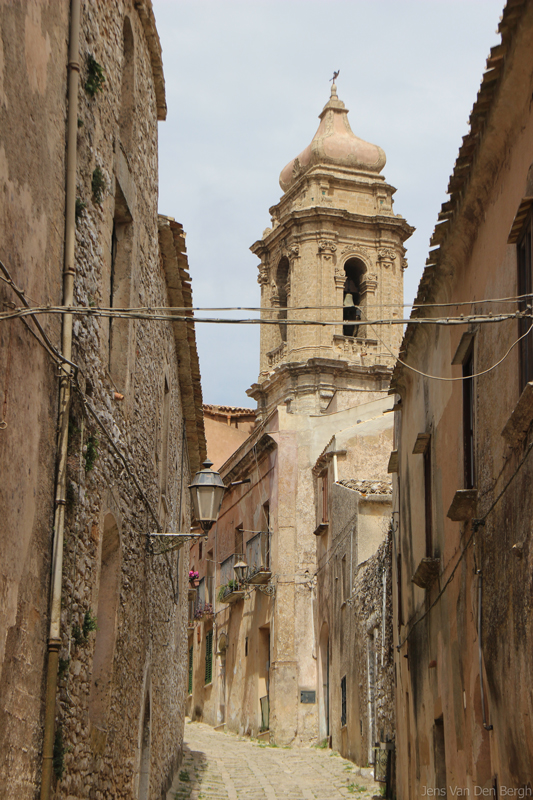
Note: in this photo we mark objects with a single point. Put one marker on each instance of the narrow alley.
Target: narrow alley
(224, 766)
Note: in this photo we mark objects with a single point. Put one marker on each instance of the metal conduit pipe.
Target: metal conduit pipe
(480, 600)
(54, 640)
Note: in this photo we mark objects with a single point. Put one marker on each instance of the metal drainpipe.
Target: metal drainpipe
(480, 599)
(54, 640)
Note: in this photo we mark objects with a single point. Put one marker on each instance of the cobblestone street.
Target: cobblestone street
(223, 766)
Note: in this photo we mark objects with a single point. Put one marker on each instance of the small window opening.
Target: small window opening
(468, 420)
(120, 289)
(343, 701)
(427, 502)
(351, 312)
(282, 277)
(128, 88)
(525, 291)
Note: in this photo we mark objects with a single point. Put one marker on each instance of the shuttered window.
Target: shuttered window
(190, 668)
(209, 657)
(343, 701)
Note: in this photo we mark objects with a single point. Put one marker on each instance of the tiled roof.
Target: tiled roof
(368, 487)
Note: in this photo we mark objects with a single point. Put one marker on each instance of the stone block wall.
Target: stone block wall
(122, 680)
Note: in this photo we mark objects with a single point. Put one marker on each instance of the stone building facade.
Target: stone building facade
(333, 255)
(135, 424)
(462, 542)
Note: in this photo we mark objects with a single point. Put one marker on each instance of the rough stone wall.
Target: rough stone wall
(33, 54)
(354, 619)
(121, 698)
(372, 582)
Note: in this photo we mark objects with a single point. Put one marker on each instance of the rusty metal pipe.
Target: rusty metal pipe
(54, 639)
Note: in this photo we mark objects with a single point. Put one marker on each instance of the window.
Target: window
(468, 420)
(399, 587)
(165, 430)
(345, 576)
(525, 288)
(128, 87)
(343, 701)
(323, 497)
(427, 502)
(239, 540)
(351, 312)
(191, 662)
(120, 289)
(209, 657)
(226, 570)
(282, 278)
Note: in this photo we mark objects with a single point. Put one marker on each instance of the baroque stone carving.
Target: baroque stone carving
(262, 278)
(403, 263)
(326, 244)
(356, 250)
(386, 254)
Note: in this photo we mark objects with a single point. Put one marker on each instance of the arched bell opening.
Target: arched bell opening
(354, 270)
(282, 278)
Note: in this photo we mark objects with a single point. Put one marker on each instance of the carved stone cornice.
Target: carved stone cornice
(386, 256)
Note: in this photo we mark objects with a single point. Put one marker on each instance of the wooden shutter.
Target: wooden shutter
(209, 657)
(190, 668)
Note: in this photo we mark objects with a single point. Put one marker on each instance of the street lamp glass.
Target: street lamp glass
(207, 491)
(240, 570)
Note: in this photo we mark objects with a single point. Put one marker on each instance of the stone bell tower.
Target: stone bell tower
(334, 254)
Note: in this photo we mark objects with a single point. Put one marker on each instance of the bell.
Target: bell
(348, 301)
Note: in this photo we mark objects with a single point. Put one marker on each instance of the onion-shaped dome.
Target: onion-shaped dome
(335, 144)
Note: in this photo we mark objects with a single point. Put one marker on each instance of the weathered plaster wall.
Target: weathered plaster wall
(439, 695)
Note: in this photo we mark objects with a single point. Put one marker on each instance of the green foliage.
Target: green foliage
(80, 635)
(70, 500)
(63, 667)
(322, 745)
(95, 77)
(91, 453)
(77, 635)
(59, 754)
(356, 787)
(98, 185)
(89, 623)
(230, 586)
(184, 775)
(80, 208)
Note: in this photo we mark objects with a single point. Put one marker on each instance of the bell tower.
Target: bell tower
(334, 255)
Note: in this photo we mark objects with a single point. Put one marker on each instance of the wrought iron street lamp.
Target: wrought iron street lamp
(207, 491)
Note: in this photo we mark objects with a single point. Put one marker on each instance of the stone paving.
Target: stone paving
(224, 766)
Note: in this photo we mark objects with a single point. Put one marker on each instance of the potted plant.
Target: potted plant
(194, 578)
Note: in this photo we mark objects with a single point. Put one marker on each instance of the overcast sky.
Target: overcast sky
(245, 82)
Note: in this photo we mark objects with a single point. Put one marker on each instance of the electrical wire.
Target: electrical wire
(147, 313)
(460, 377)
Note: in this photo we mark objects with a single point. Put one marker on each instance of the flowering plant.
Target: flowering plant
(203, 610)
(193, 575)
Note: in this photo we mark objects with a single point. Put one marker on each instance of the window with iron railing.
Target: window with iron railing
(258, 553)
(226, 570)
